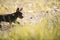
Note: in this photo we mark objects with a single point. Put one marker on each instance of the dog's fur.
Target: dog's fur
(11, 17)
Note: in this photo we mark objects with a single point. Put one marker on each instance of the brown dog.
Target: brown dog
(11, 17)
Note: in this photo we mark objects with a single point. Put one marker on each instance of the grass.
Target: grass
(45, 24)
(21, 33)
(38, 31)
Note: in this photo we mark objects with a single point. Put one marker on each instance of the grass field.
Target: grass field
(41, 20)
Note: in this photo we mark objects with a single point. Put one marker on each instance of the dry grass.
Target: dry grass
(41, 20)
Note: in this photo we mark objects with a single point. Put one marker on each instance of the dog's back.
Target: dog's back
(6, 17)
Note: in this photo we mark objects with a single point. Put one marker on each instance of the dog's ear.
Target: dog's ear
(17, 9)
(21, 9)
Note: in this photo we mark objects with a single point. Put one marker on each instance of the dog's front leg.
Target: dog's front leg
(10, 24)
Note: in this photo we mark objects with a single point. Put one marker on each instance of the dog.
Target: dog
(11, 17)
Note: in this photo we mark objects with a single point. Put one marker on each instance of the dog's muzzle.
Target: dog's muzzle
(21, 17)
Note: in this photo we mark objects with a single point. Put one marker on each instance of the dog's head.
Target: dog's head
(19, 13)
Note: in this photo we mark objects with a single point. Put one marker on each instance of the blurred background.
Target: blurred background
(41, 20)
